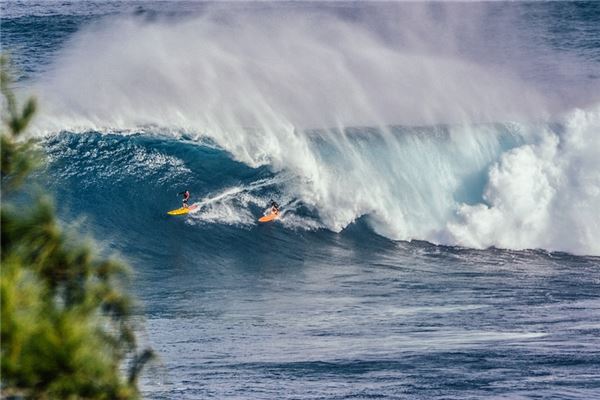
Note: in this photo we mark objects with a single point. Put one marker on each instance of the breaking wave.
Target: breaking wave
(419, 141)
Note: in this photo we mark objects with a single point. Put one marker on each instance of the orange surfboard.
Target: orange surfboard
(269, 217)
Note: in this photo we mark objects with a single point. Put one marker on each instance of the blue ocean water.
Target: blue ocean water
(438, 167)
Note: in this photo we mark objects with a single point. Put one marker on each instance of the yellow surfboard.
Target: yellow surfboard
(269, 217)
(183, 210)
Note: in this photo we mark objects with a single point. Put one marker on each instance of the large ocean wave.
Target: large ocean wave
(419, 141)
(504, 185)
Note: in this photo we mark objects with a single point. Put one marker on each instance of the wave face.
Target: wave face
(503, 185)
(398, 115)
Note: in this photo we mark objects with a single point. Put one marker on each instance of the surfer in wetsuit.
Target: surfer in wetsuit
(186, 197)
(274, 207)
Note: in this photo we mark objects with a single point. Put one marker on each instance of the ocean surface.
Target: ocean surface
(438, 167)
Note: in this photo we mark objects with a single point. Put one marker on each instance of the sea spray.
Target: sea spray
(422, 142)
(274, 71)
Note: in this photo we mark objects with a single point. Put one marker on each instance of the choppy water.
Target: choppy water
(440, 182)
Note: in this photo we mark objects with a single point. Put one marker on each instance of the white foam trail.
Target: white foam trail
(223, 213)
(231, 206)
(235, 191)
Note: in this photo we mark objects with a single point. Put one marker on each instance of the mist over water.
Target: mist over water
(460, 143)
(274, 69)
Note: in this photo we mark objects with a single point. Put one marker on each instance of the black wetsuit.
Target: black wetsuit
(186, 197)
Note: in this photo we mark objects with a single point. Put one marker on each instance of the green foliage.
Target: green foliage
(17, 159)
(66, 328)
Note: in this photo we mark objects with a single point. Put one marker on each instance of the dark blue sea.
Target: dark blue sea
(437, 166)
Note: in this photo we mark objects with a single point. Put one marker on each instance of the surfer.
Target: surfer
(274, 214)
(274, 207)
(186, 197)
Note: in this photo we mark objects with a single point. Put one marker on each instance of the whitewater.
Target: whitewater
(424, 144)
